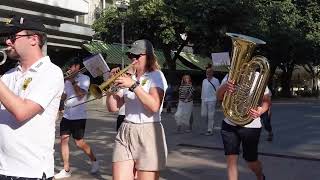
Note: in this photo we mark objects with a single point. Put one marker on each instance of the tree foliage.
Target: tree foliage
(291, 28)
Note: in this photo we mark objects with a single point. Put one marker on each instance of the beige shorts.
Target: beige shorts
(143, 143)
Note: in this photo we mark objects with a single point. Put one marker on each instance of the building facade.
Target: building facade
(67, 21)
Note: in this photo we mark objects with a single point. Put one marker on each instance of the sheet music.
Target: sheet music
(96, 65)
(219, 59)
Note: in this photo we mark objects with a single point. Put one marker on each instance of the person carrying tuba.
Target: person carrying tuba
(247, 134)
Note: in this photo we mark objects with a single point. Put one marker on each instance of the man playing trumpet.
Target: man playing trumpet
(29, 95)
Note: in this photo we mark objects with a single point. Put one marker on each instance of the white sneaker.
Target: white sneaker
(94, 167)
(63, 174)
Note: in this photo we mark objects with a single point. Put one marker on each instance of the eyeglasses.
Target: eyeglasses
(134, 56)
(14, 37)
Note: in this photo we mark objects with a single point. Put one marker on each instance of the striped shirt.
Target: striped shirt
(186, 92)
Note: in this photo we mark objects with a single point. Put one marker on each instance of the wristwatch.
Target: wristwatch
(134, 85)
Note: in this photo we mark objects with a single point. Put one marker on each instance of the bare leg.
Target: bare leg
(65, 151)
(123, 170)
(85, 148)
(232, 163)
(148, 175)
(256, 167)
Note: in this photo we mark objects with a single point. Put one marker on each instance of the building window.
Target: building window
(80, 19)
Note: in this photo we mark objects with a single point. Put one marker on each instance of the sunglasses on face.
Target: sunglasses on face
(14, 37)
(134, 56)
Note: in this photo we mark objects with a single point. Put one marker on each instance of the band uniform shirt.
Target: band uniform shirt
(256, 123)
(122, 109)
(27, 148)
(208, 93)
(78, 112)
(135, 110)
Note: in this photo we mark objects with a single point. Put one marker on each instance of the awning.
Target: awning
(114, 54)
(200, 62)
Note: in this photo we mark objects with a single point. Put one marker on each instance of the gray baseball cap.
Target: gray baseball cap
(141, 46)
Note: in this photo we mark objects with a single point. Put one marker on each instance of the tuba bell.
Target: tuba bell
(249, 88)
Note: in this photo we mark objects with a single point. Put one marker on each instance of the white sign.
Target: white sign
(221, 58)
(96, 65)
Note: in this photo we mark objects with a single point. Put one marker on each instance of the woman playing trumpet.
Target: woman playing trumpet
(140, 144)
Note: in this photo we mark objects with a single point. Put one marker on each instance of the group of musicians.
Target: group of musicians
(30, 96)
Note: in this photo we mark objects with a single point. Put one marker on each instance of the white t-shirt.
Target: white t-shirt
(256, 123)
(122, 109)
(135, 111)
(208, 93)
(77, 112)
(26, 149)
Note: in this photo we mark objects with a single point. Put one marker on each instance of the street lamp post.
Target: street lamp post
(122, 6)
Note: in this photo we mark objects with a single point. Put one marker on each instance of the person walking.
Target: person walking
(30, 95)
(208, 99)
(140, 145)
(248, 135)
(74, 119)
(185, 105)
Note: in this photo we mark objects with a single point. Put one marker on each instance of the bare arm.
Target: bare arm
(114, 102)
(21, 109)
(80, 93)
(265, 105)
(223, 88)
(152, 100)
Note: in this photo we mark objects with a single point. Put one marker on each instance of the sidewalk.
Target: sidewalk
(192, 156)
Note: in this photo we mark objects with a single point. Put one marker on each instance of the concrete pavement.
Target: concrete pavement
(293, 155)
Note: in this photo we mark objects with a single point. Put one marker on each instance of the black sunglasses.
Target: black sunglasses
(134, 56)
(14, 37)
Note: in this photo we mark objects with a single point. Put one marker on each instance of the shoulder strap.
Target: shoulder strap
(212, 85)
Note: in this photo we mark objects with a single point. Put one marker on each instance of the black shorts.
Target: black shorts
(233, 136)
(75, 128)
(120, 119)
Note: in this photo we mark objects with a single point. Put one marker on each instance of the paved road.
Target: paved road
(293, 155)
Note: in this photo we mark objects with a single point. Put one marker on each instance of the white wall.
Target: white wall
(81, 6)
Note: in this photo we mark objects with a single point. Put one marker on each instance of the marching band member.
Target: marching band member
(30, 95)
(248, 135)
(140, 144)
(74, 119)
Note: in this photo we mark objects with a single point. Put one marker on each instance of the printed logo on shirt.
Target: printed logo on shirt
(38, 65)
(144, 82)
(26, 83)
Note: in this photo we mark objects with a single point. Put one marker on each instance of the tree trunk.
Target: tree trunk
(286, 82)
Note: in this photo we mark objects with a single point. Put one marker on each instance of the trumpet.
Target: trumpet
(69, 74)
(3, 55)
(99, 91)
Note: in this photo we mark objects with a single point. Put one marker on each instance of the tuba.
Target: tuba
(249, 86)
